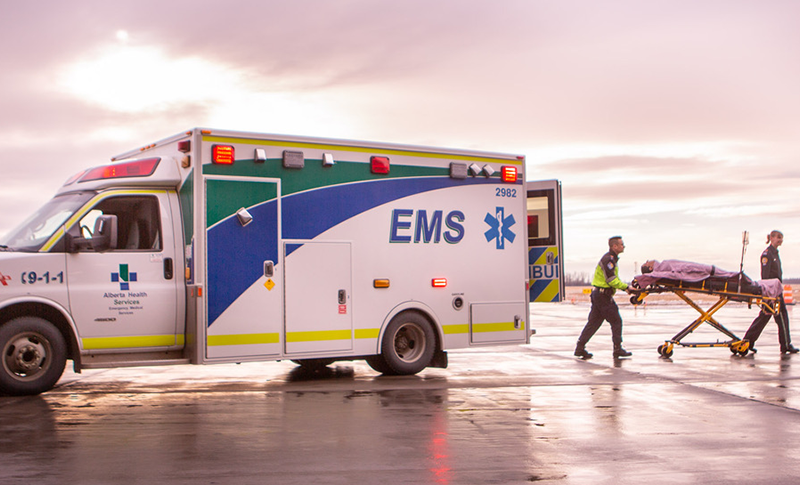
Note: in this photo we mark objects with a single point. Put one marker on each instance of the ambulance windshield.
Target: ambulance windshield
(36, 230)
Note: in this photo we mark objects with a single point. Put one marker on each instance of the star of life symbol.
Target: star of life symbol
(499, 227)
(124, 277)
(4, 278)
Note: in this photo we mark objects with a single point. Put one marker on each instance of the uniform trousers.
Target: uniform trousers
(603, 308)
(781, 318)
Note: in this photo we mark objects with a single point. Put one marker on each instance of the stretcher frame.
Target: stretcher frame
(731, 291)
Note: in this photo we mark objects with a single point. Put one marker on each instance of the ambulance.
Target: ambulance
(216, 246)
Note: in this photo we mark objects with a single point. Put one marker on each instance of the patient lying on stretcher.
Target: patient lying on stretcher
(672, 271)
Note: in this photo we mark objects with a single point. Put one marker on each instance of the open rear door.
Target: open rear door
(545, 252)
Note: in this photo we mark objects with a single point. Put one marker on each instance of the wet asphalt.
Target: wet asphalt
(505, 415)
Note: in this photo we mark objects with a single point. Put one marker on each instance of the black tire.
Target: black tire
(314, 364)
(378, 364)
(33, 356)
(408, 344)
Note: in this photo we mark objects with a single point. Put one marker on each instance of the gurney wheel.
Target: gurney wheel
(741, 348)
(665, 350)
(740, 353)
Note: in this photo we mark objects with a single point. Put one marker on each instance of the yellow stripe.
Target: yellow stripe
(96, 343)
(548, 293)
(454, 329)
(495, 327)
(243, 339)
(86, 207)
(368, 333)
(318, 336)
(382, 151)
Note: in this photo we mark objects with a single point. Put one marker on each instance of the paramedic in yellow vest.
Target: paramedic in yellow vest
(605, 283)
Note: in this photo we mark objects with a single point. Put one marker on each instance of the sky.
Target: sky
(672, 123)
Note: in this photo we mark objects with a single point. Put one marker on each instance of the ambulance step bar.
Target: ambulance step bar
(137, 359)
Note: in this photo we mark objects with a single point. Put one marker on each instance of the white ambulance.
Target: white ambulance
(216, 246)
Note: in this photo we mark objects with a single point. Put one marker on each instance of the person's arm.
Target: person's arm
(611, 271)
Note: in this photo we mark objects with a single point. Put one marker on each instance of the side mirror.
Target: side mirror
(104, 236)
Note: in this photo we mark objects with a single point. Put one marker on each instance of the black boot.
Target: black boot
(620, 352)
(790, 350)
(580, 351)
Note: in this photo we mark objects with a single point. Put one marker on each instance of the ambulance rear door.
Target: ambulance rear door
(545, 251)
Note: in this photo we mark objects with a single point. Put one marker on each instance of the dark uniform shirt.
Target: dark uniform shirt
(771, 264)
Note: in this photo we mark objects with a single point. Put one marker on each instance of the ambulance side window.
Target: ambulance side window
(138, 222)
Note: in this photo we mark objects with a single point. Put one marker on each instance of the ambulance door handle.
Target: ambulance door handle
(269, 269)
(342, 297)
(168, 269)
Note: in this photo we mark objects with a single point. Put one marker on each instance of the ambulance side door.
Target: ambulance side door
(126, 297)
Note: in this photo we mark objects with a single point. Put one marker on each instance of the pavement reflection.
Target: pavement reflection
(516, 414)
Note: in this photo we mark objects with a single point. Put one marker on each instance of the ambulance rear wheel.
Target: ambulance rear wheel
(378, 364)
(33, 356)
(408, 344)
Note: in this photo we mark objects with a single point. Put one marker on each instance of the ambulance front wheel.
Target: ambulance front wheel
(408, 344)
(33, 356)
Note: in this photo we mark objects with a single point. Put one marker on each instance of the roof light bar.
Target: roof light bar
(134, 168)
(75, 177)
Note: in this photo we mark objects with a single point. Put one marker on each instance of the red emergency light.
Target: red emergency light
(508, 174)
(439, 282)
(135, 168)
(222, 154)
(379, 164)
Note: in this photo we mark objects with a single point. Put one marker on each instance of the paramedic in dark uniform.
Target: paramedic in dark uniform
(605, 283)
(771, 268)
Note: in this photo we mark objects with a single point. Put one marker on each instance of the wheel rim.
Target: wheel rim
(409, 342)
(25, 356)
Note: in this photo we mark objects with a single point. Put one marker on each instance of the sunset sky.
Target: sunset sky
(675, 124)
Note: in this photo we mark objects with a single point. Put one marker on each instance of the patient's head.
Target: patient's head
(648, 266)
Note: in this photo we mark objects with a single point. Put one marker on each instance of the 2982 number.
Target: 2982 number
(505, 192)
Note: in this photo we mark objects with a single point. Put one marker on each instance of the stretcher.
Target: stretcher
(738, 289)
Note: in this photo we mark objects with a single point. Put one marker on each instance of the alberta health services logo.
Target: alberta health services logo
(499, 227)
(124, 277)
